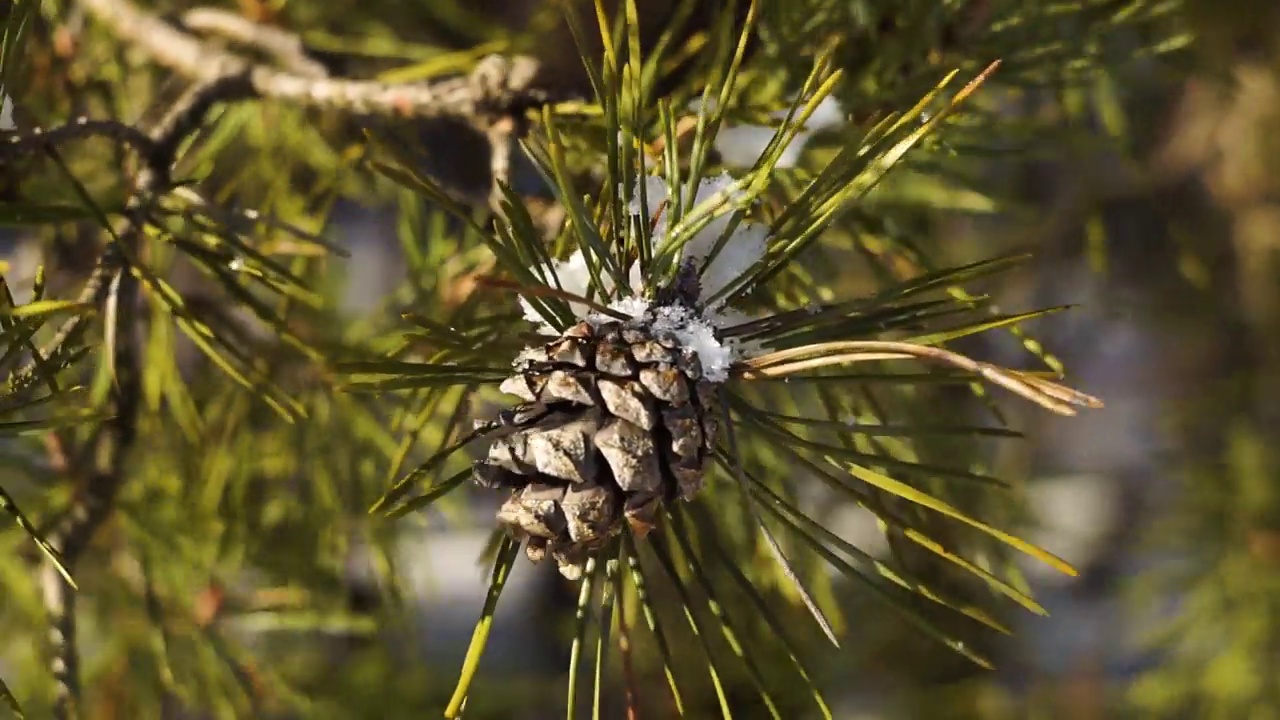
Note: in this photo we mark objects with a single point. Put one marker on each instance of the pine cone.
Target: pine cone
(614, 424)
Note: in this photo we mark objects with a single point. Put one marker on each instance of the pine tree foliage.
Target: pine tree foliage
(201, 428)
(1221, 638)
(1218, 641)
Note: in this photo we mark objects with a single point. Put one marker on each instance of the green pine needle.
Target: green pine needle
(508, 551)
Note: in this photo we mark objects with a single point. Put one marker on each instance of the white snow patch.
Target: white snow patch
(698, 335)
(633, 306)
(6, 112)
(575, 278)
(744, 247)
(742, 251)
(655, 191)
(742, 145)
(690, 329)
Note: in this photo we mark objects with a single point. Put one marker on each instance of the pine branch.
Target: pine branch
(158, 149)
(39, 139)
(121, 296)
(493, 98)
(477, 98)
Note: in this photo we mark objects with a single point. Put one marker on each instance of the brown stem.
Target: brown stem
(39, 139)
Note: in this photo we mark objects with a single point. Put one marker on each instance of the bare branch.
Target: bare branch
(39, 139)
(284, 47)
(493, 99)
(496, 76)
(476, 98)
(500, 148)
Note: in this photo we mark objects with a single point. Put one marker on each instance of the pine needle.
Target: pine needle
(547, 291)
(734, 465)
(508, 550)
(782, 363)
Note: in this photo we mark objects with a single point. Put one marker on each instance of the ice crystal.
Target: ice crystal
(698, 334)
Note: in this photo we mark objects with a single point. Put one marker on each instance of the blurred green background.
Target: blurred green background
(1150, 195)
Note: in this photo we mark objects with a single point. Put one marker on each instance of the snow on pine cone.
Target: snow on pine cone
(615, 423)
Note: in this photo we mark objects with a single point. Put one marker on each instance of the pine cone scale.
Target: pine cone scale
(631, 454)
(536, 510)
(629, 401)
(589, 511)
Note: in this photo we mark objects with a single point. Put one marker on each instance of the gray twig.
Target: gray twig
(282, 46)
(496, 76)
(201, 61)
(500, 149)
